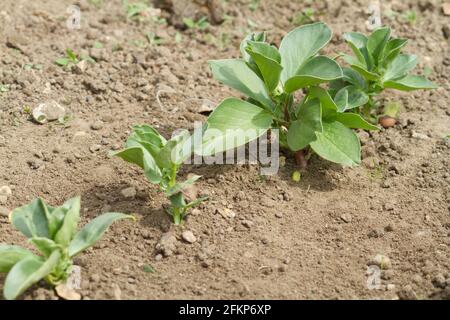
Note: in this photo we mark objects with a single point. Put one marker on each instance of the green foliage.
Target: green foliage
(71, 59)
(53, 231)
(305, 17)
(200, 24)
(377, 64)
(161, 159)
(4, 88)
(270, 77)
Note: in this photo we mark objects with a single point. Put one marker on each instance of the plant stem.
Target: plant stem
(300, 158)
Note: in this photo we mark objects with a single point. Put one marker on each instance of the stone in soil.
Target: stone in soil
(129, 192)
(167, 244)
(48, 111)
(67, 293)
(188, 236)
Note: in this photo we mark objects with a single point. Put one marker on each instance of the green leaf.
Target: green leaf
(377, 42)
(93, 231)
(354, 78)
(176, 150)
(27, 272)
(317, 70)
(10, 255)
(237, 75)
(142, 152)
(393, 48)
(148, 134)
(62, 61)
(268, 60)
(354, 121)
(233, 123)
(357, 41)
(409, 83)
(182, 185)
(31, 219)
(303, 131)
(350, 97)
(45, 245)
(258, 37)
(300, 45)
(365, 73)
(338, 144)
(71, 55)
(326, 101)
(69, 225)
(400, 66)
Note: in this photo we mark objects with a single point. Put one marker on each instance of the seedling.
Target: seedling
(53, 231)
(410, 16)
(377, 64)
(270, 77)
(305, 17)
(135, 10)
(4, 88)
(161, 159)
(200, 24)
(71, 59)
(153, 39)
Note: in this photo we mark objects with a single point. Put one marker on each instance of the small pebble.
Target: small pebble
(188, 236)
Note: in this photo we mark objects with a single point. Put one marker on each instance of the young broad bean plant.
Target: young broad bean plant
(53, 231)
(161, 159)
(377, 64)
(272, 79)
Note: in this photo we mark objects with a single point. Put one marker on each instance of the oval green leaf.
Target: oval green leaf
(338, 144)
(317, 70)
(303, 131)
(232, 124)
(27, 272)
(237, 75)
(93, 231)
(300, 45)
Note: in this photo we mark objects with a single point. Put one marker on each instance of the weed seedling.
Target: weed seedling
(4, 88)
(377, 64)
(71, 59)
(200, 24)
(161, 160)
(272, 79)
(304, 17)
(53, 231)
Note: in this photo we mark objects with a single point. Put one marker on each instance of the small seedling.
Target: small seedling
(410, 16)
(305, 17)
(4, 88)
(53, 231)
(200, 24)
(272, 78)
(98, 45)
(29, 66)
(135, 10)
(153, 39)
(377, 64)
(161, 160)
(71, 59)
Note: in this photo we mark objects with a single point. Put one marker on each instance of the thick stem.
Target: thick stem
(177, 216)
(300, 159)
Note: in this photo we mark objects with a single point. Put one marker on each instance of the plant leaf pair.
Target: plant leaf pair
(160, 159)
(269, 77)
(53, 231)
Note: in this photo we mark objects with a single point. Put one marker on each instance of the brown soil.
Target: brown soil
(306, 240)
